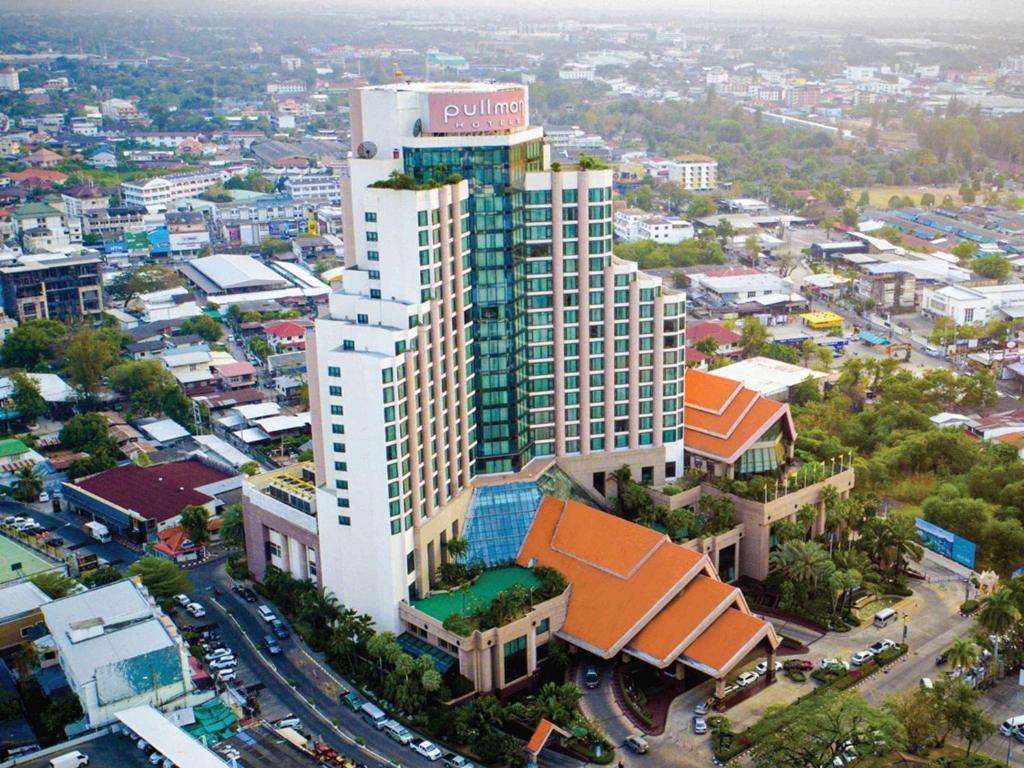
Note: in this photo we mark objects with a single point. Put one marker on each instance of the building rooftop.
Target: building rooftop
(20, 598)
(442, 605)
(228, 272)
(768, 376)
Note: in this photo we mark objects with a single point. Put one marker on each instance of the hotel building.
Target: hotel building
(481, 327)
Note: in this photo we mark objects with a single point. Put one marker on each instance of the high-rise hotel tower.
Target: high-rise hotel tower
(481, 324)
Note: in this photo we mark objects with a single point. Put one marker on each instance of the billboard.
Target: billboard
(478, 111)
(947, 544)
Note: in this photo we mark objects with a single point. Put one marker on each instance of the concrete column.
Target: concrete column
(447, 326)
(583, 258)
(424, 405)
(634, 365)
(658, 384)
(462, 369)
(558, 309)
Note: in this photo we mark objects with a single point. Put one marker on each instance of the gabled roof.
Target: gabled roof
(621, 573)
(719, 333)
(285, 330)
(723, 418)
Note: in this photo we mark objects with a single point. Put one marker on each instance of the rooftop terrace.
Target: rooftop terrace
(480, 593)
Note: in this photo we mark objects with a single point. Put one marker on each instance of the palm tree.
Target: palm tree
(27, 485)
(803, 561)
(998, 613)
(963, 653)
(458, 548)
(904, 541)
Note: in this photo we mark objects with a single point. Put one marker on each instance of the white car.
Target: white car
(182, 600)
(826, 663)
(747, 678)
(44, 497)
(224, 675)
(218, 653)
(428, 749)
(156, 758)
(225, 662)
(762, 666)
(881, 645)
(861, 657)
(196, 610)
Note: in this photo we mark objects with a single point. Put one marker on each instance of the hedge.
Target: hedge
(796, 675)
(967, 607)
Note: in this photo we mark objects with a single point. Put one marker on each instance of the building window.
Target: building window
(543, 626)
(348, 345)
(343, 503)
(334, 391)
(374, 293)
(371, 237)
(396, 526)
(344, 520)
(334, 371)
(362, 319)
(338, 429)
(370, 216)
(515, 658)
(339, 447)
(341, 466)
(373, 255)
(341, 485)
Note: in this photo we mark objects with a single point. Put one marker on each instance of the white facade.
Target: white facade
(154, 194)
(696, 173)
(314, 187)
(576, 72)
(632, 225)
(9, 80)
(967, 306)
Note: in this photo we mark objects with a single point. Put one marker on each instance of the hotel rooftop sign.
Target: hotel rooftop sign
(480, 111)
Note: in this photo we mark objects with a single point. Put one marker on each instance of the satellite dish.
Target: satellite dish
(417, 127)
(366, 150)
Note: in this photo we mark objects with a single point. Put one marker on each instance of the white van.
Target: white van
(374, 715)
(74, 759)
(1007, 727)
(266, 613)
(885, 617)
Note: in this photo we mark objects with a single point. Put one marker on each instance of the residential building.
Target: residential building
(117, 649)
(976, 305)
(889, 286)
(697, 173)
(286, 336)
(168, 304)
(728, 341)
(286, 87)
(769, 377)
(632, 225)
(9, 80)
(120, 110)
(188, 233)
(314, 188)
(737, 285)
(155, 193)
(81, 199)
(20, 614)
(52, 286)
(279, 508)
(562, 351)
(247, 223)
(576, 72)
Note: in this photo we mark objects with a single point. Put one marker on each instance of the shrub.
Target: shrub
(890, 655)
(796, 675)
(671, 490)
(967, 607)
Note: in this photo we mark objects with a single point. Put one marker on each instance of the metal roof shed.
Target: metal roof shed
(168, 739)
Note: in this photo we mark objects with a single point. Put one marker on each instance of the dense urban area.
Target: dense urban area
(384, 386)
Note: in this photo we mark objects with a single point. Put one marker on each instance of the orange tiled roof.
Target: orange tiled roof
(682, 620)
(536, 743)
(621, 573)
(729, 638)
(723, 418)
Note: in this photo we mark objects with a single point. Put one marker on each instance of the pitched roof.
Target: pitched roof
(621, 573)
(158, 492)
(285, 330)
(723, 418)
(719, 333)
(37, 174)
(731, 637)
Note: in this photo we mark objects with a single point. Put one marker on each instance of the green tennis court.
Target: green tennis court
(13, 554)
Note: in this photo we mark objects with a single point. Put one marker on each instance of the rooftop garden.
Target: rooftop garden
(711, 516)
(399, 180)
(492, 598)
(583, 163)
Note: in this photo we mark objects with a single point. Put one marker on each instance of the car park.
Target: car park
(701, 708)
(217, 653)
(226, 662)
(861, 657)
(427, 749)
(226, 675)
(881, 645)
(700, 725)
(590, 678)
(638, 744)
(395, 731)
(747, 678)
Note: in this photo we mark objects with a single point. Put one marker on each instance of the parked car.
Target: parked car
(861, 657)
(44, 497)
(55, 541)
(826, 663)
(700, 725)
(227, 662)
(590, 678)
(428, 749)
(729, 690)
(267, 614)
(226, 675)
(881, 645)
(638, 744)
(941, 659)
(182, 600)
(248, 595)
(762, 666)
(747, 678)
(196, 610)
(805, 665)
(217, 653)
(701, 708)
(451, 760)
(280, 629)
(353, 701)
(271, 645)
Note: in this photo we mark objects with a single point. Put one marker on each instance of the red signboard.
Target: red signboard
(478, 112)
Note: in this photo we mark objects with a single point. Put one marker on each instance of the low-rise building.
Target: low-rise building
(279, 509)
(155, 193)
(20, 613)
(967, 306)
(632, 225)
(52, 286)
(314, 188)
(118, 650)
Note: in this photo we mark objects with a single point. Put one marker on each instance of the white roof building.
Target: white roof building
(231, 273)
(772, 378)
(118, 650)
(51, 386)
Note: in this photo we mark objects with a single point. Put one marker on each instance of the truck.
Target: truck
(98, 531)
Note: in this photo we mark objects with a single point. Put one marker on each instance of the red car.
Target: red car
(802, 664)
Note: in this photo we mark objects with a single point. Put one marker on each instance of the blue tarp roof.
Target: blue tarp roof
(874, 338)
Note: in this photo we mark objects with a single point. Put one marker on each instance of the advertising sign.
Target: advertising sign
(119, 246)
(947, 544)
(479, 111)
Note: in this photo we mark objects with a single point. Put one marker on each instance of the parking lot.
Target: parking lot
(110, 750)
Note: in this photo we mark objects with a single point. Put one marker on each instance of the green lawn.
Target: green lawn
(483, 590)
(13, 553)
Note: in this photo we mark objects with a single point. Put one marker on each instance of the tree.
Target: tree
(163, 578)
(272, 245)
(918, 713)
(851, 216)
(145, 279)
(965, 252)
(87, 356)
(195, 520)
(203, 326)
(150, 388)
(27, 485)
(707, 346)
(828, 223)
(457, 548)
(26, 398)
(753, 336)
(679, 522)
(88, 432)
(998, 613)
(808, 349)
(232, 526)
(864, 199)
(54, 583)
(32, 343)
(994, 267)
(261, 348)
(806, 391)
(827, 732)
(963, 653)
(752, 246)
(700, 206)
(250, 468)
(927, 200)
